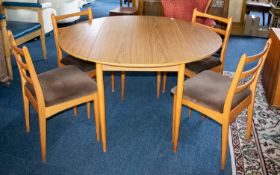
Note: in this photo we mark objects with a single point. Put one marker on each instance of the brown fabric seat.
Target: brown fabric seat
(205, 64)
(85, 66)
(210, 89)
(64, 84)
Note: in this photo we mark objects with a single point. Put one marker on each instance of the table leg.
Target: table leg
(158, 83)
(178, 107)
(173, 117)
(101, 98)
(122, 83)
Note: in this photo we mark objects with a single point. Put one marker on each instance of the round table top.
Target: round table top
(139, 41)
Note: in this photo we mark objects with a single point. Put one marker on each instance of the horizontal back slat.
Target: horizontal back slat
(250, 72)
(87, 12)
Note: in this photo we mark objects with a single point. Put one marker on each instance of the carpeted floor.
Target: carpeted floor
(101, 8)
(261, 154)
(138, 129)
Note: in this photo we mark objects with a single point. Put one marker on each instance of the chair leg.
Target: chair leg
(88, 110)
(158, 83)
(224, 144)
(26, 113)
(97, 121)
(9, 67)
(164, 82)
(113, 81)
(173, 117)
(122, 83)
(43, 44)
(7, 51)
(249, 121)
(190, 112)
(43, 135)
(75, 111)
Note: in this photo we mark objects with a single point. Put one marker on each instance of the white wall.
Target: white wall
(235, 9)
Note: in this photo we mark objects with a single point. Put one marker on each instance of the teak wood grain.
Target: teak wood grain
(138, 43)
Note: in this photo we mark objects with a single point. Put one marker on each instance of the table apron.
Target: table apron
(141, 69)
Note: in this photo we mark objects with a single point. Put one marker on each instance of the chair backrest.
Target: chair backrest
(244, 79)
(55, 20)
(183, 9)
(224, 32)
(27, 72)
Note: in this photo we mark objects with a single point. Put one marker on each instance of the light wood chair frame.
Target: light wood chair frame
(29, 75)
(164, 73)
(25, 38)
(229, 115)
(55, 20)
(223, 32)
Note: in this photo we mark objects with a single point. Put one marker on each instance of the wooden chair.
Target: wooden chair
(183, 10)
(53, 91)
(23, 31)
(213, 62)
(222, 98)
(133, 10)
(85, 66)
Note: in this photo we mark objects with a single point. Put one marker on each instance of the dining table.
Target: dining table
(139, 43)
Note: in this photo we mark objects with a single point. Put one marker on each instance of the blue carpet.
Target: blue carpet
(101, 8)
(138, 129)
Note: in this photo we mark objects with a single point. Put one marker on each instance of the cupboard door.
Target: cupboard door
(271, 72)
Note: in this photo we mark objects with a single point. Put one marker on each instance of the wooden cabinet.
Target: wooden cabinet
(152, 8)
(271, 73)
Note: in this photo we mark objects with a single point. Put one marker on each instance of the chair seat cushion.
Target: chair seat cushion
(63, 84)
(123, 11)
(205, 64)
(182, 9)
(21, 29)
(85, 66)
(210, 89)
